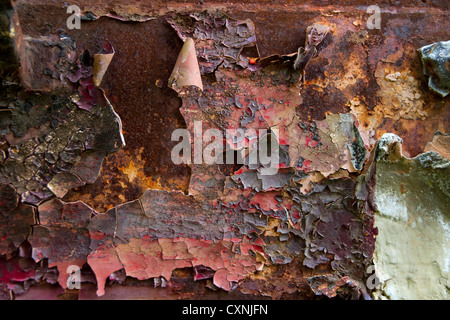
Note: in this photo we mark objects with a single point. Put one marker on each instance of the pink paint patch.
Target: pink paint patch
(310, 142)
(104, 262)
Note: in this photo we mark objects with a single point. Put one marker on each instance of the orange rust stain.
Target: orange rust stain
(133, 168)
(122, 179)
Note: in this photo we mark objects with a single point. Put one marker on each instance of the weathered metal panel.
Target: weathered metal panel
(87, 178)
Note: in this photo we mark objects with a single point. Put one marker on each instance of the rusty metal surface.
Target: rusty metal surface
(308, 234)
(358, 89)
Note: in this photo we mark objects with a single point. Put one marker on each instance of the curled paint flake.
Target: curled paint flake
(314, 36)
(233, 40)
(186, 71)
(101, 62)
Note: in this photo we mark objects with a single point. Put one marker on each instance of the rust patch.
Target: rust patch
(305, 232)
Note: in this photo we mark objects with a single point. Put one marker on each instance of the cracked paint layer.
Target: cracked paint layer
(308, 231)
(53, 144)
(61, 236)
(300, 228)
(148, 238)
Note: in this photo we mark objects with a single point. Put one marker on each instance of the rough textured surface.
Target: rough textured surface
(439, 144)
(412, 249)
(436, 60)
(140, 226)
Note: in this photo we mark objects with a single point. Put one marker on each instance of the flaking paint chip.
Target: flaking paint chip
(186, 71)
(102, 61)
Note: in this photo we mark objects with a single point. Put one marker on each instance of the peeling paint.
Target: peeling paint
(72, 193)
(101, 62)
(411, 254)
(67, 149)
(435, 58)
